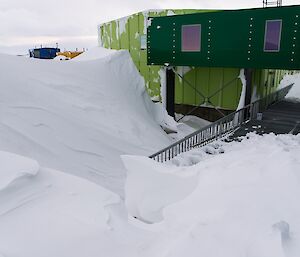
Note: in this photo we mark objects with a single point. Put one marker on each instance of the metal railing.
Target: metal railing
(221, 127)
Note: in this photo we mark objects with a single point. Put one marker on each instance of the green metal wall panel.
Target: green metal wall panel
(114, 44)
(202, 83)
(228, 39)
(189, 94)
(230, 94)
(216, 83)
(179, 92)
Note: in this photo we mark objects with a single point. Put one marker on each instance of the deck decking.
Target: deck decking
(280, 118)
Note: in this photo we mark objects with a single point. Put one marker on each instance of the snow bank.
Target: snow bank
(151, 186)
(240, 203)
(294, 93)
(240, 196)
(79, 116)
(55, 214)
(94, 54)
(244, 202)
(14, 167)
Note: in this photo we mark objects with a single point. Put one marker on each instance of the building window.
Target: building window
(143, 41)
(191, 38)
(272, 35)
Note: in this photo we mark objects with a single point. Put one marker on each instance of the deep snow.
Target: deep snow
(243, 203)
(79, 116)
(240, 200)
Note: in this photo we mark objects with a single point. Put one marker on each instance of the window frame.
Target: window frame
(200, 38)
(265, 38)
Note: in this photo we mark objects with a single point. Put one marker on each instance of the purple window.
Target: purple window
(272, 35)
(191, 38)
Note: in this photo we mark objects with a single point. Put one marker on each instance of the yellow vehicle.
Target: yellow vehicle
(70, 54)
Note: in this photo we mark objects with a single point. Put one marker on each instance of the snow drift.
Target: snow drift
(11, 171)
(150, 186)
(244, 202)
(50, 213)
(225, 206)
(79, 116)
(294, 94)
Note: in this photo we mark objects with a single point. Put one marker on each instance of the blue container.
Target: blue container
(44, 52)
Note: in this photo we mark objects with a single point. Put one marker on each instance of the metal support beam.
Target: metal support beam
(248, 76)
(170, 105)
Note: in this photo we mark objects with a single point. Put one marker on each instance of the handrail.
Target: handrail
(221, 127)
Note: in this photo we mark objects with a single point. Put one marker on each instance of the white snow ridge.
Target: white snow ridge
(78, 118)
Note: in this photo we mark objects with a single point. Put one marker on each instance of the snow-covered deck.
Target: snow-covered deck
(280, 118)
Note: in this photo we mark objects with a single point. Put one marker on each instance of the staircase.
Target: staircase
(220, 128)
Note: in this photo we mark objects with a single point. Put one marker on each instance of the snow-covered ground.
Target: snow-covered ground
(243, 202)
(239, 203)
(237, 199)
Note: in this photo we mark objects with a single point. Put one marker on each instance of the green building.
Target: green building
(214, 89)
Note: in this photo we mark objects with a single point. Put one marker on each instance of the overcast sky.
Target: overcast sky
(73, 23)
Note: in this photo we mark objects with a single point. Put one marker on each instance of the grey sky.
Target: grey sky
(73, 23)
